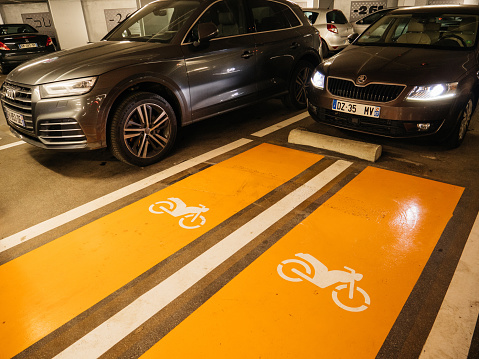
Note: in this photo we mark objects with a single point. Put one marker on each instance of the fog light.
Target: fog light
(423, 126)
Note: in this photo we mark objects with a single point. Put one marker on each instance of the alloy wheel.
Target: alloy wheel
(147, 130)
(302, 85)
(466, 118)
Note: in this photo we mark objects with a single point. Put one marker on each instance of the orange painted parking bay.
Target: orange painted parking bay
(334, 285)
(47, 287)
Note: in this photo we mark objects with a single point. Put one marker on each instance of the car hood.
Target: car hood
(90, 60)
(400, 65)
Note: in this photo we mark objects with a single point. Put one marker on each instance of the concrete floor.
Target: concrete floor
(65, 218)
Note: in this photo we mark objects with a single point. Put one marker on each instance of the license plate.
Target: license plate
(26, 46)
(356, 108)
(14, 117)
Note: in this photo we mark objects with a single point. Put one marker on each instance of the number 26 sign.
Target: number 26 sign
(360, 9)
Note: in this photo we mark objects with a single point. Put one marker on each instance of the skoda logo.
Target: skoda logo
(361, 79)
(10, 93)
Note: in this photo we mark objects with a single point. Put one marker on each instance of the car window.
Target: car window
(16, 29)
(270, 15)
(312, 16)
(159, 21)
(368, 20)
(336, 17)
(451, 31)
(228, 16)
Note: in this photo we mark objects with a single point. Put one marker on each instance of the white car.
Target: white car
(333, 26)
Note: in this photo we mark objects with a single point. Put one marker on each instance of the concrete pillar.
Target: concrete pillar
(69, 22)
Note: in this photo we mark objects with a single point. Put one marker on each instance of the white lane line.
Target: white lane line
(280, 125)
(13, 144)
(110, 332)
(29, 233)
(452, 332)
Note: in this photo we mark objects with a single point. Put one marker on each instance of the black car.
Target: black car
(413, 73)
(169, 64)
(20, 43)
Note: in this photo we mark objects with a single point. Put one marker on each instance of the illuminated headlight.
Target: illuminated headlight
(433, 92)
(318, 80)
(67, 88)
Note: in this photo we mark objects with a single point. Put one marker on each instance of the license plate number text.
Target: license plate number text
(356, 108)
(14, 117)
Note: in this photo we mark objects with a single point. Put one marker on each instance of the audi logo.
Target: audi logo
(10, 93)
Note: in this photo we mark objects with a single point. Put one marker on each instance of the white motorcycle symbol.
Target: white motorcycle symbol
(177, 208)
(324, 278)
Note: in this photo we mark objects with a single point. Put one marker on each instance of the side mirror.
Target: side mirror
(353, 37)
(206, 32)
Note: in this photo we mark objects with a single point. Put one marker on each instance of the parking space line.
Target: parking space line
(52, 223)
(121, 324)
(63, 278)
(455, 323)
(13, 144)
(334, 285)
(280, 125)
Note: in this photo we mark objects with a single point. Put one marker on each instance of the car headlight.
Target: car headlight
(433, 92)
(318, 80)
(67, 88)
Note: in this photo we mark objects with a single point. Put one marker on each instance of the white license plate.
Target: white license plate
(14, 117)
(26, 46)
(356, 108)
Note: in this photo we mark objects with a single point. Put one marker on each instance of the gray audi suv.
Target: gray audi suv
(168, 65)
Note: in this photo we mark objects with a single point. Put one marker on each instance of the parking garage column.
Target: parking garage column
(69, 23)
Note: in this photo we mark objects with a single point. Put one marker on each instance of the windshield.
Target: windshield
(452, 31)
(159, 21)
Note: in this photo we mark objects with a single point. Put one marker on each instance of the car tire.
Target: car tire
(299, 85)
(143, 129)
(462, 124)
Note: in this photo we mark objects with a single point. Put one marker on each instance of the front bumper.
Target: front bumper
(398, 118)
(68, 123)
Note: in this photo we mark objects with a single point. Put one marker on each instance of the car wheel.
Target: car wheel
(299, 86)
(462, 125)
(143, 129)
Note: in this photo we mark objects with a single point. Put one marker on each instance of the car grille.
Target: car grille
(18, 99)
(371, 92)
(63, 131)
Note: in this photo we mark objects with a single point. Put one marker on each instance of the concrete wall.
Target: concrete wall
(13, 13)
(69, 22)
(94, 11)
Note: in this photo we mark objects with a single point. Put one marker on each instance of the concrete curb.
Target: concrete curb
(362, 150)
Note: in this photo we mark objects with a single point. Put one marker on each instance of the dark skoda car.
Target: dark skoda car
(413, 73)
(170, 64)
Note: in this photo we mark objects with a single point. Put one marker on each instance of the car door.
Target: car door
(221, 71)
(278, 44)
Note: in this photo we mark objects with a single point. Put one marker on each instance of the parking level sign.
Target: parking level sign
(360, 9)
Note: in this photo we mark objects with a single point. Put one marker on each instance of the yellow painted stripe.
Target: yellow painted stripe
(382, 224)
(43, 289)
